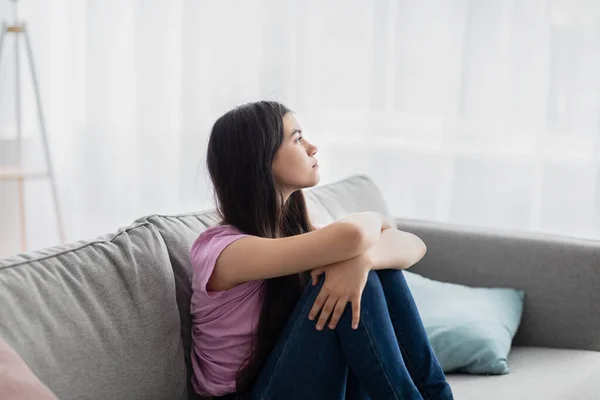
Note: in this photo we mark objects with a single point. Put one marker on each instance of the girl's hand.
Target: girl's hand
(344, 282)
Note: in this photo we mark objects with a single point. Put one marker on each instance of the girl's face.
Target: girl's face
(295, 166)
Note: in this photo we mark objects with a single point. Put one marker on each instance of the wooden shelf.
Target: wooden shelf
(16, 174)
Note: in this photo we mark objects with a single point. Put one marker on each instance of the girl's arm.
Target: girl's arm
(396, 250)
(253, 258)
(345, 280)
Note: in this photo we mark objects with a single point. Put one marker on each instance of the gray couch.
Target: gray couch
(109, 318)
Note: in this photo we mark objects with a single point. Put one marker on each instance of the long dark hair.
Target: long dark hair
(241, 148)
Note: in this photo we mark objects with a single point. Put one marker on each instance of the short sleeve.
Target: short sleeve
(206, 250)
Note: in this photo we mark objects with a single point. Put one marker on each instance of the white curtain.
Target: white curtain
(475, 112)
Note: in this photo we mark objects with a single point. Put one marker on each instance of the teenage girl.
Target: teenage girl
(283, 310)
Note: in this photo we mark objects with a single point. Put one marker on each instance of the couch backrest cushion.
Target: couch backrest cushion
(325, 204)
(179, 232)
(559, 275)
(354, 194)
(97, 319)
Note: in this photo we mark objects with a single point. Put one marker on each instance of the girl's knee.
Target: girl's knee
(373, 283)
(390, 274)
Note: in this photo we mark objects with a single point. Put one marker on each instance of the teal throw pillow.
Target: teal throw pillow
(470, 329)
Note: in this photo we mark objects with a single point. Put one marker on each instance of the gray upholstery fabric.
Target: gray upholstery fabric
(109, 319)
(179, 232)
(537, 373)
(560, 277)
(325, 204)
(328, 202)
(354, 194)
(97, 319)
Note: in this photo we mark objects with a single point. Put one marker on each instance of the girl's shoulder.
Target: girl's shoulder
(206, 249)
(220, 230)
(217, 233)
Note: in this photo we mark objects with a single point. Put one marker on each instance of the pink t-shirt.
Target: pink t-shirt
(223, 323)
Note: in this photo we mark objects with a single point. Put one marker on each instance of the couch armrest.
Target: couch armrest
(560, 277)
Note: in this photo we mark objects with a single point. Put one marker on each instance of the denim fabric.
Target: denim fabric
(387, 357)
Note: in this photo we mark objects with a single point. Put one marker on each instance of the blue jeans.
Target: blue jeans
(388, 357)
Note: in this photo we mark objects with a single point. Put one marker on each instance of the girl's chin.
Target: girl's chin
(317, 179)
(312, 182)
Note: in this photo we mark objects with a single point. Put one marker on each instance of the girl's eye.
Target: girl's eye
(299, 139)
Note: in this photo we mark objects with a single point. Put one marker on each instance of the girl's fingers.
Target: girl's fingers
(337, 313)
(356, 311)
(319, 301)
(325, 312)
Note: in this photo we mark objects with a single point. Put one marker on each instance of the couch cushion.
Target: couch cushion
(325, 204)
(536, 373)
(97, 319)
(354, 194)
(179, 233)
(470, 329)
(560, 276)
